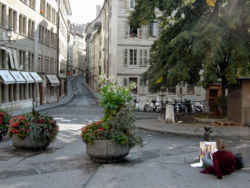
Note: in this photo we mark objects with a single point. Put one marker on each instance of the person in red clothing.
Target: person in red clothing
(223, 161)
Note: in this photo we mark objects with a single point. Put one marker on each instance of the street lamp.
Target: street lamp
(10, 33)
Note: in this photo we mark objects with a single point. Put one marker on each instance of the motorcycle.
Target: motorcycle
(136, 105)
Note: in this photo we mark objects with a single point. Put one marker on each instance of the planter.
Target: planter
(107, 151)
(29, 144)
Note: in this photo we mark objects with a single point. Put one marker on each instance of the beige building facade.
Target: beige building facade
(29, 56)
(118, 51)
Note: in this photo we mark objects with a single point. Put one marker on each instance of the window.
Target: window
(53, 15)
(172, 89)
(141, 57)
(131, 3)
(31, 29)
(125, 82)
(32, 3)
(3, 15)
(145, 56)
(42, 7)
(31, 61)
(22, 59)
(22, 25)
(125, 57)
(132, 56)
(190, 89)
(48, 11)
(40, 64)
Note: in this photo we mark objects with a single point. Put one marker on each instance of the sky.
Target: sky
(84, 11)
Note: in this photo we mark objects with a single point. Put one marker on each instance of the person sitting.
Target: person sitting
(222, 162)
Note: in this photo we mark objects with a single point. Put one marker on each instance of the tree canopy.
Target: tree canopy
(201, 41)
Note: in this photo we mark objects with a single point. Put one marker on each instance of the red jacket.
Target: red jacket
(224, 164)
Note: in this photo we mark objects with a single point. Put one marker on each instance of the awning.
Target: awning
(53, 80)
(6, 77)
(18, 77)
(28, 77)
(36, 77)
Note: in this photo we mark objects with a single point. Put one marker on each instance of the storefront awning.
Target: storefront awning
(53, 80)
(6, 77)
(18, 77)
(28, 77)
(36, 77)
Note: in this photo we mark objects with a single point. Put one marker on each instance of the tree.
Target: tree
(202, 41)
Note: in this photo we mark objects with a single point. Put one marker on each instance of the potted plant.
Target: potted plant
(33, 131)
(111, 139)
(4, 123)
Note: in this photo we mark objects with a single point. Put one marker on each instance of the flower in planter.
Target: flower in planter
(4, 123)
(118, 121)
(35, 125)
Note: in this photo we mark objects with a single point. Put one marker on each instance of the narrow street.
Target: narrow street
(164, 161)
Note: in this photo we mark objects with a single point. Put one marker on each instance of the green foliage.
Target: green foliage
(201, 41)
(4, 123)
(118, 121)
(113, 98)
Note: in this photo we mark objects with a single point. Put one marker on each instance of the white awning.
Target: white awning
(28, 77)
(53, 80)
(18, 77)
(36, 77)
(6, 77)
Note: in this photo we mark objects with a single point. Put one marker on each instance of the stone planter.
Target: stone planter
(29, 144)
(107, 151)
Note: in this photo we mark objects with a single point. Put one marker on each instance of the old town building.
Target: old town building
(29, 52)
(118, 51)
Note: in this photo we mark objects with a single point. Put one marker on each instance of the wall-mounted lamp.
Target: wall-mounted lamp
(9, 33)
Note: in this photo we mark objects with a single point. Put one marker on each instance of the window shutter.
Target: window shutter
(148, 31)
(125, 57)
(140, 32)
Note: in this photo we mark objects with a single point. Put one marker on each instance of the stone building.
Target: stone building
(117, 50)
(29, 57)
(64, 11)
(78, 54)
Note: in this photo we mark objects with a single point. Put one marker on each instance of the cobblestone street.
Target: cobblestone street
(164, 161)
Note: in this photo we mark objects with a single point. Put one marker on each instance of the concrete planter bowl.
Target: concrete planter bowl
(107, 151)
(29, 144)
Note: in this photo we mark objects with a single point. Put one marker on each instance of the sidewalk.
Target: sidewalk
(63, 101)
(194, 130)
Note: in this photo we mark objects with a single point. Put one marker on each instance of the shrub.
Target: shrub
(118, 121)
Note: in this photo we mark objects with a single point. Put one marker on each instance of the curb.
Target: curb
(94, 94)
(188, 134)
(66, 99)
